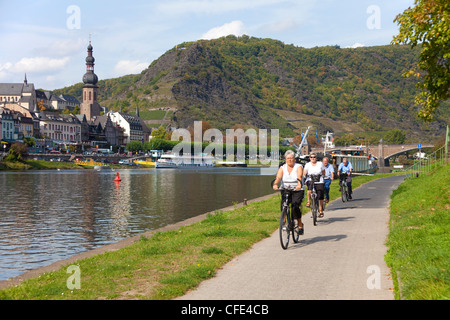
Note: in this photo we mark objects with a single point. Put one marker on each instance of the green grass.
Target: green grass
(167, 264)
(419, 238)
(152, 114)
(37, 164)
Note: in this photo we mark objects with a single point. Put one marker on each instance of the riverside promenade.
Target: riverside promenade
(340, 258)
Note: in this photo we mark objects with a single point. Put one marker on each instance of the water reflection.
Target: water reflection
(46, 216)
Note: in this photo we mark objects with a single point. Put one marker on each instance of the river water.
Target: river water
(46, 216)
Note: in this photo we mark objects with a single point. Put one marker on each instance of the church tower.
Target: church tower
(90, 107)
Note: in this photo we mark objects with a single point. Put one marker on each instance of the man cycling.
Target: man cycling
(344, 171)
(329, 176)
(290, 175)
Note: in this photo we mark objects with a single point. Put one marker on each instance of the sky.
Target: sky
(48, 40)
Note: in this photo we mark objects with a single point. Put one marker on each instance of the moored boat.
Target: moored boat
(184, 161)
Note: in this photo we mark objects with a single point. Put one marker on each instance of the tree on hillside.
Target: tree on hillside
(395, 136)
(159, 133)
(428, 24)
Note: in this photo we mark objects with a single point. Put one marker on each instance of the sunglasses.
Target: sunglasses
(312, 157)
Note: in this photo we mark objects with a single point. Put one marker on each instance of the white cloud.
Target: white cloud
(36, 65)
(235, 28)
(124, 67)
(40, 64)
(356, 45)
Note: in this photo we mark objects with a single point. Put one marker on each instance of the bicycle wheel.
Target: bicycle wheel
(295, 234)
(343, 192)
(284, 228)
(314, 208)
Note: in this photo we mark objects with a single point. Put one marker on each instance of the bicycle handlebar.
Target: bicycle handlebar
(288, 189)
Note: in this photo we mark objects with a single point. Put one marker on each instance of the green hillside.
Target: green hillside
(264, 83)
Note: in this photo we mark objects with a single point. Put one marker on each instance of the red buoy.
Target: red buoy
(117, 178)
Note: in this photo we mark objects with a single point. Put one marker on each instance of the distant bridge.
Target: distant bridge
(383, 152)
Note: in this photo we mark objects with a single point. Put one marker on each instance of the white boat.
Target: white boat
(185, 161)
(102, 168)
(232, 163)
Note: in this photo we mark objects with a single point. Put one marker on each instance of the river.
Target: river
(46, 216)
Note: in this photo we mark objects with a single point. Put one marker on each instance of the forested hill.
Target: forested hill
(265, 83)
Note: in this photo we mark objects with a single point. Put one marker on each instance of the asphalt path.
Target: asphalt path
(340, 258)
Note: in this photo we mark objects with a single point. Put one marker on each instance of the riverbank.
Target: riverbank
(55, 165)
(163, 265)
(419, 242)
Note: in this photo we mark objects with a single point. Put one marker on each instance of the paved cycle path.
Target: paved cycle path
(340, 258)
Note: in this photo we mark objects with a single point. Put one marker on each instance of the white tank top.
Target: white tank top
(290, 179)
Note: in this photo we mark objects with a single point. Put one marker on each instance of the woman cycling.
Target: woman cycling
(315, 168)
(290, 175)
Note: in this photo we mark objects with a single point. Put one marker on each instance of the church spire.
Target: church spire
(90, 107)
(90, 77)
(25, 81)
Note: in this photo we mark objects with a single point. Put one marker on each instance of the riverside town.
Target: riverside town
(63, 123)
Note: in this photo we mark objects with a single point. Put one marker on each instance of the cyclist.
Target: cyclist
(329, 176)
(345, 170)
(315, 167)
(290, 175)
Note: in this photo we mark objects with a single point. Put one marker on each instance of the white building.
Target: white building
(132, 126)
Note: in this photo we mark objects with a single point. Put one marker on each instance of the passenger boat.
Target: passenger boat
(231, 164)
(184, 161)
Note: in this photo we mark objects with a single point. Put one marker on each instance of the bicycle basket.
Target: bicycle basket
(315, 177)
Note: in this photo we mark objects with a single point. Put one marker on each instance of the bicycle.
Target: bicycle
(344, 187)
(288, 225)
(314, 204)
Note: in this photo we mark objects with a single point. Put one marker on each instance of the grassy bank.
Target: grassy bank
(167, 264)
(54, 165)
(419, 238)
(36, 165)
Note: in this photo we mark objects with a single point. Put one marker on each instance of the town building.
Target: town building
(90, 106)
(49, 101)
(60, 127)
(9, 130)
(133, 129)
(23, 94)
(69, 102)
(28, 115)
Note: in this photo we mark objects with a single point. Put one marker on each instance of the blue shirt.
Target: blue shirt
(328, 171)
(345, 169)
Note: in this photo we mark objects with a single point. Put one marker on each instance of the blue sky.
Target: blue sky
(47, 40)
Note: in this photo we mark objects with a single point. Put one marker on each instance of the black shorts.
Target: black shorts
(295, 198)
(320, 189)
